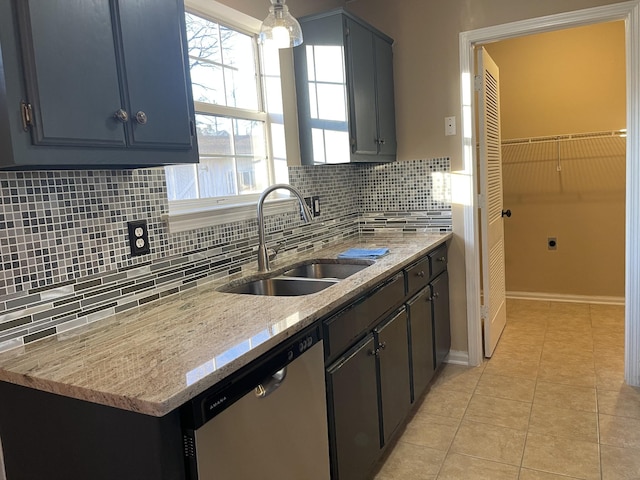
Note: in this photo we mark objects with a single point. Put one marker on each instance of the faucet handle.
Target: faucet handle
(273, 251)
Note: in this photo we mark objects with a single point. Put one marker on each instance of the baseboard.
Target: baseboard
(559, 297)
(457, 358)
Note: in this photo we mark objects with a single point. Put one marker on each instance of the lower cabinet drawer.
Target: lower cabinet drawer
(438, 261)
(343, 328)
(418, 275)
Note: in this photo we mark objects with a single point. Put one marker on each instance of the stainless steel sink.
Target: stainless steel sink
(327, 269)
(279, 286)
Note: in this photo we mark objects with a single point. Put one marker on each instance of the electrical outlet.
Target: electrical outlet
(315, 206)
(552, 243)
(138, 237)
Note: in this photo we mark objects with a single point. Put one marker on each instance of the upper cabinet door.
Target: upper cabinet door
(71, 72)
(362, 89)
(156, 78)
(387, 144)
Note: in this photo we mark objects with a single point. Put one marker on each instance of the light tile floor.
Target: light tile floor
(551, 404)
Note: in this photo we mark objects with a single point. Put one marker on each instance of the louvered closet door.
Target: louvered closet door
(492, 235)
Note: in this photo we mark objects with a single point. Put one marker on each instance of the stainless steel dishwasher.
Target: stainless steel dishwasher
(268, 422)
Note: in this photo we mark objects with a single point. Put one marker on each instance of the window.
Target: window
(239, 119)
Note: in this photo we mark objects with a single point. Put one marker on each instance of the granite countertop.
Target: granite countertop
(154, 358)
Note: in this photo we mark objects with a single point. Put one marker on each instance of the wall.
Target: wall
(66, 261)
(564, 82)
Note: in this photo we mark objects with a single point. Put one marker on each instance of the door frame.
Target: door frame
(630, 13)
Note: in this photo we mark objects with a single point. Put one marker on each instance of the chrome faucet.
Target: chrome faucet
(263, 255)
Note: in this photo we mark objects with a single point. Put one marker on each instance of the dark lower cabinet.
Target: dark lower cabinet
(353, 408)
(441, 324)
(381, 352)
(393, 357)
(421, 335)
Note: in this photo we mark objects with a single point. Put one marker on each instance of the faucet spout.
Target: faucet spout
(263, 256)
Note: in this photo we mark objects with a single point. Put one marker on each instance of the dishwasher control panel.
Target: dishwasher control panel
(210, 403)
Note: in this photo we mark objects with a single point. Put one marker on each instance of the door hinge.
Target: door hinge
(27, 115)
(482, 201)
(477, 83)
(484, 312)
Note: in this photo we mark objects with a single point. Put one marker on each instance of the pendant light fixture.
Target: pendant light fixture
(280, 28)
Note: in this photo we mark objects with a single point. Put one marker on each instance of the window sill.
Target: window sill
(203, 217)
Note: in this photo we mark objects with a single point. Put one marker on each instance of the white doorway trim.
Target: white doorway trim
(630, 13)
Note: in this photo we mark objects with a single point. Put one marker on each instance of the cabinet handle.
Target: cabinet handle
(382, 346)
(374, 353)
(442, 259)
(420, 274)
(141, 118)
(121, 115)
(429, 299)
(382, 141)
(436, 295)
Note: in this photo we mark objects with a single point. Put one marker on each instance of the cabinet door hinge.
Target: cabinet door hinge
(484, 312)
(477, 83)
(27, 115)
(192, 128)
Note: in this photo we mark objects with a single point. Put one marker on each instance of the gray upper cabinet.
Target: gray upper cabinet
(94, 84)
(344, 87)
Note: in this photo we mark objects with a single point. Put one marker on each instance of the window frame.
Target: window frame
(191, 214)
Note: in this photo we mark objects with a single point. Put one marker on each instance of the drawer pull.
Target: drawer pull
(442, 259)
(420, 274)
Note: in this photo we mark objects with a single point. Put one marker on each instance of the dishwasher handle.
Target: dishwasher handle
(271, 383)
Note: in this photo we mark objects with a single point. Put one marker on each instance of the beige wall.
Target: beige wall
(426, 73)
(569, 81)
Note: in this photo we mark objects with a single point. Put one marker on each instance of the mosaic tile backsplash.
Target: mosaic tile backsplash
(65, 259)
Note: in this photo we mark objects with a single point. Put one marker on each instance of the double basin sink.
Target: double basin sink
(300, 279)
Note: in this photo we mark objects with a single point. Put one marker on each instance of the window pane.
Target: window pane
(216, 177)
(252, 175)
(249, 138)
(273, 95)
(202, 38)
(238, 57)
(241, 89)
(181, 182)
(207, 82)
(237, 49)
(281, 170)
(331, 102)
(313, 101)
(317, 140)
(329, 64)
(278, 145)
(311, 73)
(214, 135)
(337, 146)
(270, 61)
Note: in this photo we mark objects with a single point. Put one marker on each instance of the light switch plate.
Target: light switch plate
(449, 126)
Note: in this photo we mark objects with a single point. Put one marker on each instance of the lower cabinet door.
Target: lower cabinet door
(395, 389)
(441, 322)
(353, 406)
(421, 331)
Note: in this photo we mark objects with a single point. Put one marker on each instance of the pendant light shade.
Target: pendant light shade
(280, 28)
